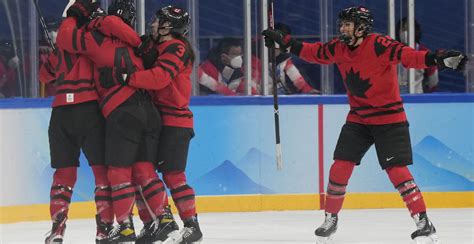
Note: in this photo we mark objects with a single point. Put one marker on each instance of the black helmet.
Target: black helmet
(178, 18)
(124, 9)
(361, 16)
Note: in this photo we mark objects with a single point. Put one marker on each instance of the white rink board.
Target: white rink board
(381, 226)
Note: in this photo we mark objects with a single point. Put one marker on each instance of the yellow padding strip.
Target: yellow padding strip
(249, 203)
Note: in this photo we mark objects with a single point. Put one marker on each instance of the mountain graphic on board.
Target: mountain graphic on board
(261, 168)
(441, 156)
(432, 178)
(226, 179)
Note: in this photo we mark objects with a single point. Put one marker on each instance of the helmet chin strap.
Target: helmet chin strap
(347, 39)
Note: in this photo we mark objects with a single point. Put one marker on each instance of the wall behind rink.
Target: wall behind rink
(232, 164)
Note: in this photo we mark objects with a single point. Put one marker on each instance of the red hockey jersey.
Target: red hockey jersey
(72, 76)
(171, 83)
(108, 42)
(369, 73)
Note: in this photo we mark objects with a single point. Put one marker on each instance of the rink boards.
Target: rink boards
(231, 161)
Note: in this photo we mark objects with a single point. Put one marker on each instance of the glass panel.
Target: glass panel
(301, 18)
(442, 25)
(221, 47)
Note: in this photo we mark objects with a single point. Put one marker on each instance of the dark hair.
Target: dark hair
(223, 46)
(404, 21)
(226, 43)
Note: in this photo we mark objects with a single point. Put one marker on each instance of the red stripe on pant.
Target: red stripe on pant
(339, 174)
(64, 180)
(103, 194)
(153, 190)
(402, 179)
(183, 195)
(123, 192)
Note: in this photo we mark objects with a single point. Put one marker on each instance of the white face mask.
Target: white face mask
(236, 62)
(404, 36)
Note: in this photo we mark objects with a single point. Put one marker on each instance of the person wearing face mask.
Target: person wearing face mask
(426, 80)
(368, 64)
(222, 72)
(290, 79)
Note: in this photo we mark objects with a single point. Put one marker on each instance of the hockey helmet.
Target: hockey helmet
(124, 9)
(177, 17)
(361, 16)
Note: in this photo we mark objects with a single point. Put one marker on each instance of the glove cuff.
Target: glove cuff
(430, 59)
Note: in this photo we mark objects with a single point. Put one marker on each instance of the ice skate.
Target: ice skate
(426, 232)
(165, 229)
(103, 230)
(325, 232)
(123, 233)
(57, 231)
(191, 232)
(145, 234)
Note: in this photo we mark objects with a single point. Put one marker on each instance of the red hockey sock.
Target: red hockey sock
(64, 180)
(402, 180)
(339, 175)
(103, 194)
(123, 191)
(153, 190)
(182, 193)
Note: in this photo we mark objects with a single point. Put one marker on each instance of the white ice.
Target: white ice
(384, 226)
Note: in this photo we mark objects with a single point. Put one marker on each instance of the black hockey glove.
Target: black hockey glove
(82, 10)
(109, 77)
(146, 51)
(149, 58)
(145, 45)
(282, 40)
(447, 59)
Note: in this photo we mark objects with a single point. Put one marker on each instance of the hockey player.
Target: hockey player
(76, 123)
(170, 81)
(367, 62)
(132, 121)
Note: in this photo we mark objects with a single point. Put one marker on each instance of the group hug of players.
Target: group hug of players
(124, 100)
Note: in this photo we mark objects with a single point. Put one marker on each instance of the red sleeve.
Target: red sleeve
(168, 65)
(393, 52)
(46, 72)
(112, 25)
(318, 52)
(74, 40)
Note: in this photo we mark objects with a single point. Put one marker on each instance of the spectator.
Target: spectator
(426, 80)
(222, 72)
(8, 70)
(290, 79)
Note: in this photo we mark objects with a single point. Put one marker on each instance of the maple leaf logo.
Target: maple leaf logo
(356, 85)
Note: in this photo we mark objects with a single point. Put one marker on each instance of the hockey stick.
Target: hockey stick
(44, 27)
(272, 57)
(153, 216)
